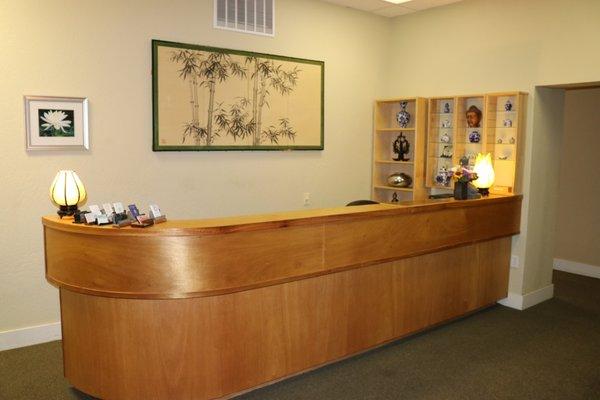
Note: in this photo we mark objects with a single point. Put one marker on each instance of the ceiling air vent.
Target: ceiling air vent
(250, 16)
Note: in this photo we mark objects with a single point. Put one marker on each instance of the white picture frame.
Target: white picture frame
(56, 123)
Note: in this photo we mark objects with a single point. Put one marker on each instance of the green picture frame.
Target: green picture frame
(214, 99)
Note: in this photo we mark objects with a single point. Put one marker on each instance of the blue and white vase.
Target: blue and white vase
(403, 116)
(443, 177)
(508, 105)
(474, 137)
(447, 108)
(507, 123)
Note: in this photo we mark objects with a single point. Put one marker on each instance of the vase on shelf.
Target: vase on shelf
(474, 137)
(403, 116)
(443, 176)
(400, 180)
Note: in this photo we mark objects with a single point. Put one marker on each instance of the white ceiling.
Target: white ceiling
(386, 9)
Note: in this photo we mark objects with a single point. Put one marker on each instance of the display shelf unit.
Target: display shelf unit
(441, 134)
(505, 118)
(386, 130)
(452, 135)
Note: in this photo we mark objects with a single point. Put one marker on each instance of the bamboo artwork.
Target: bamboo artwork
(217, 99)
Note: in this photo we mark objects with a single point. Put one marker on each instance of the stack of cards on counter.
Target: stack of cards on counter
(117, 214)
(142, 219)
(92, 216)
(118, 207)
(156, 214)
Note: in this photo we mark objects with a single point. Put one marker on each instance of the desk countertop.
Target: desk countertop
(275, 220)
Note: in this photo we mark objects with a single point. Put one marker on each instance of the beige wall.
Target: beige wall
(488, 45)
(101, 50)
(578, 225)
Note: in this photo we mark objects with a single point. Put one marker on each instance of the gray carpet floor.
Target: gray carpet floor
(550, 351)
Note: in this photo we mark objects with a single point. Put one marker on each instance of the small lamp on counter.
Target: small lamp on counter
(67, 192)
(485, 173)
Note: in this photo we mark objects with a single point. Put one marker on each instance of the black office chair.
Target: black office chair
(361, 202)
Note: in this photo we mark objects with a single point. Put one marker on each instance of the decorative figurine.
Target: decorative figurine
(507, 123)
(508, 105)
(473, 116)
(445, 138)
(503, 158)
(446, 152)
(499, 140)
(401, 180)
(446, 123)
(401, 147)
(395, 197)
(403, 116)
(446, 108)
(512, 140)
(474, 137)
(443, 177)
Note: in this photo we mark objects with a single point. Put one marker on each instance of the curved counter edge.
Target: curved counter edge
(212, 226)
(164, 265)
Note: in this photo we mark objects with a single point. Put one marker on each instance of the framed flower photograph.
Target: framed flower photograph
(56, 123)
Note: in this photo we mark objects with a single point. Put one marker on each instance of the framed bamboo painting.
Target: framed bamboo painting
(207, 98)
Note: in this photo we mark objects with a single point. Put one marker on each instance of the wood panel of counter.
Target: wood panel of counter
(176, 315)
(169, 262)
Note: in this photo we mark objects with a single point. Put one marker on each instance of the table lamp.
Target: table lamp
(485, 173)
(67, 192)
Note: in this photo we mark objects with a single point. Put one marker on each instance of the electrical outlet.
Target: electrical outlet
(514, 261)
(306, 198)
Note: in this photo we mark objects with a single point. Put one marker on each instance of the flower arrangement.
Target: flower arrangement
(463, 174)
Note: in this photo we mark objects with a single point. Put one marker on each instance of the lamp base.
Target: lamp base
(484, 191)
(67, 211)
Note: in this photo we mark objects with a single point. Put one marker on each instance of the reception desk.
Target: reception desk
(209, 308)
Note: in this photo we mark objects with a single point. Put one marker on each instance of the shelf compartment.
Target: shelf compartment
(386, 187)
(383, 146)
(386, 111)
(394, 162)
(395, 129)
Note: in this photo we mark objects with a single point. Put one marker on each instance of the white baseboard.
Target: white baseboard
(513, 301)
(521, 302)
(573, 267)
(30, 336)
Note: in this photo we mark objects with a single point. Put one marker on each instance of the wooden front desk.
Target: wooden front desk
(209, 308)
